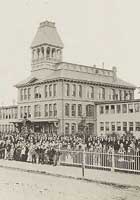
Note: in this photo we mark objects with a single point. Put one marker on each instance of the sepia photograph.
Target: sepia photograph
(69, 100)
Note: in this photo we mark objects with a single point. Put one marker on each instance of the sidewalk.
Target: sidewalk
(99, 176)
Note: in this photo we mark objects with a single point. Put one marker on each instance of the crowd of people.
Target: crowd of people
(43, 148)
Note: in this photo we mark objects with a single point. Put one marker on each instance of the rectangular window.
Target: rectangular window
(117, 95)
(73, 110)
(12, 113)
(125, 126)
(29, 93)
(101, 109)
(46, 91)
(25, 94)
(29, 111)
(112, 109)
(89, 110)
(118, 107)
(55, 109)
(107, 126)
(37, 111)
(21, 94)
(124, 108)
(112, 94)
(130, 126)
(137, 107)
(118, 126)
(46, 110)
(79, 110)
(137, 126)
(131, 95)
(54, 90)
(90, 92)
(67, 108)
(106, 109)
(73, 90)
(101, 126)
(101, 95)
(21, 112)
(120, 95)
(113, 126)
(50, 110)
(66, 128)
(126, 96)
(130, 108)
(67, 90)
(73, 128)
(37, 93)
(80, 90)
(50, 90)
(25, 111)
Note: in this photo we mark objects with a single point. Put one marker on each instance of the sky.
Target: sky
(93, 32)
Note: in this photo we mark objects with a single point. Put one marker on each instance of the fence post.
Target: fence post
(113, 161)
(83, 163)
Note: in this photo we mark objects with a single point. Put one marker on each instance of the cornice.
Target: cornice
(94, 83)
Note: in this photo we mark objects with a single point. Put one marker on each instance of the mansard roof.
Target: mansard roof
(79, 73)
(47, 34)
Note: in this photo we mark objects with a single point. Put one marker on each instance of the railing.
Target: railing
(102, 160)
(126, 162)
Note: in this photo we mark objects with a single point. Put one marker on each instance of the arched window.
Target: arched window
(42, 52)
(53, 53)
(38, 53)
(80, 90)
(90, 92)
(48, 52)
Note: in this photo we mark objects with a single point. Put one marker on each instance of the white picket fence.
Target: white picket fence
(100, 160)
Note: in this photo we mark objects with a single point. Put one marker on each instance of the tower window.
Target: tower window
(42, 51)
(48, 52)
(38, 53)
(53, 53)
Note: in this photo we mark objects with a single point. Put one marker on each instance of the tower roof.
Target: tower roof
(47, 34)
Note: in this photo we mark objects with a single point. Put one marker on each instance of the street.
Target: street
(17, 185)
